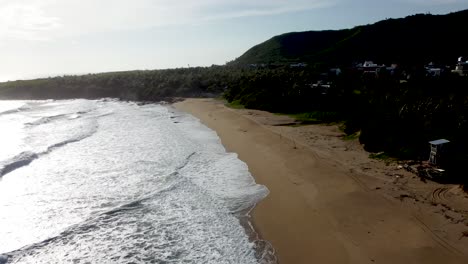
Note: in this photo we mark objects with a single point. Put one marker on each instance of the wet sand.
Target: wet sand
(329, 202)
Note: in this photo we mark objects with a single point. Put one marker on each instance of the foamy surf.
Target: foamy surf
(112, 182)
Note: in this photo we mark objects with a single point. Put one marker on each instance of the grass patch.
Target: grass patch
(353, 136)
(315, 117)
(236, 105)
(380, 156)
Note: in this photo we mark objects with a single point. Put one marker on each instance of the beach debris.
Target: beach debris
(403, 196)
(448, 217)
(408, 168)
(464, 234)
(397, 178)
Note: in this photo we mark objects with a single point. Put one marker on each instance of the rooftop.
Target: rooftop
(439, 142)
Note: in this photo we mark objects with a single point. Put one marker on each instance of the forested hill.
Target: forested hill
(412, 40)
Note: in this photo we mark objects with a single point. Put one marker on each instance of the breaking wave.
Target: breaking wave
(25, 158)
(115, 182)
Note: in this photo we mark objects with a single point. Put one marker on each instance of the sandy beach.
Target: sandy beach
(329, 202)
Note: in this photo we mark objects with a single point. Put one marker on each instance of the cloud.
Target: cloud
(25, 21)
(47, 19)
(263, 8)
(436, 2)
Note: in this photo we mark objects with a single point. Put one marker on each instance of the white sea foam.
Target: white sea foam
(117, 182)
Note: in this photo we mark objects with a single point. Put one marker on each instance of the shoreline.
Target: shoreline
(321, 207)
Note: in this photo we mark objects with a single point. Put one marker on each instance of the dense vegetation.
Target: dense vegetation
(411, 40)
(154, 85)
(398, 116)
(388, 114)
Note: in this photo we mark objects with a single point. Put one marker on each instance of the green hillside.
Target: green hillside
(412, 40)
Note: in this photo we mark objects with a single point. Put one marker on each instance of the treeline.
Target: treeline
(151, 85)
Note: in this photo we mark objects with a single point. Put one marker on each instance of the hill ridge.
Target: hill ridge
(414, 39)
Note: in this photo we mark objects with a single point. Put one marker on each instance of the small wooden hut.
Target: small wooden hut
(438, 149)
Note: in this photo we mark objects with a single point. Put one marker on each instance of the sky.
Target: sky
(42, 38)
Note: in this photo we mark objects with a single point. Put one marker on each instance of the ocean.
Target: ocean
(106, 181)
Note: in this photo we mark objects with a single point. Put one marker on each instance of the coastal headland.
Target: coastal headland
(329, 202)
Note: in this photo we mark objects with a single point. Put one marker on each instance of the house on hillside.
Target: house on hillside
(393, 69)
(321, 87)
(369, 64)
(334, 71)
(433, 70)
(462, 67)
(369, 68)
(256, 66)
(298, 65)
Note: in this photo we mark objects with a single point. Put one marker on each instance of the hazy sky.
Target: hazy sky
(40, 38)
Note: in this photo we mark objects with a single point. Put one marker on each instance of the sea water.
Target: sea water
(105, 181)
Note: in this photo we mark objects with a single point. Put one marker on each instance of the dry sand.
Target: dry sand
(329, 202)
